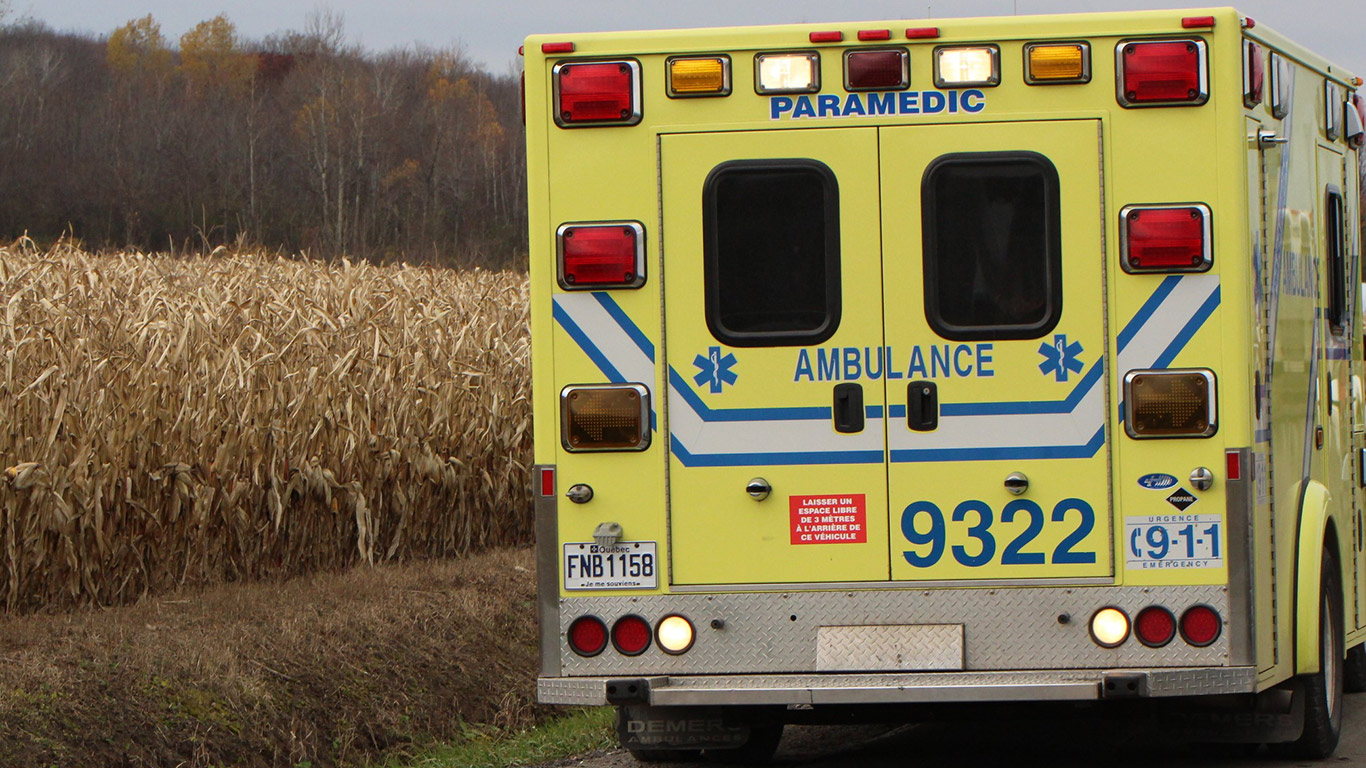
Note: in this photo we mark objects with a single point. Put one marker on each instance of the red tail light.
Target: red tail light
(1254, 74)
(597, 93)
(1356, 120)
(1233, 465)
(1165, 239)
(885, 70)
(1201, 625)
(631, 635)
(601, 255)
(587, 636)
(1155, 626)
(1162, 73)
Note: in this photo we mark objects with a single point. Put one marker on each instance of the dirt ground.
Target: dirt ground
(326, 670)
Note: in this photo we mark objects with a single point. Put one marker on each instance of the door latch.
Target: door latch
(848, 408)
(922, 406)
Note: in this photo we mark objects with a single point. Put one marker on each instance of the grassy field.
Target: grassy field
(171, 422)
(378, 663)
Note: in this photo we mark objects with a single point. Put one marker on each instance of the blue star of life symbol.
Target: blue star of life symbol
(715, 369)
(1060, 357)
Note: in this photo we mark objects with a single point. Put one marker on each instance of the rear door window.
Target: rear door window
(772, 252)
(992, 252)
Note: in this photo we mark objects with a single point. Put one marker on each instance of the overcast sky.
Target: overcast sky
(490, 30)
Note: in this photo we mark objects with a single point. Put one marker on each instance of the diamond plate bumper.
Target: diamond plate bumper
(1055, 685)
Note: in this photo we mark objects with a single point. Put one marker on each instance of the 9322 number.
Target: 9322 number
(923, 524)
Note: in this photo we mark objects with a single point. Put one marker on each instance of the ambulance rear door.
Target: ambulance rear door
(773, 316)
(996, 334)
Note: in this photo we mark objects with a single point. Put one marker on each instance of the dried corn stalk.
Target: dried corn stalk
(176, 421)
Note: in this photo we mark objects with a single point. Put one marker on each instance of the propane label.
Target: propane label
(832, 519)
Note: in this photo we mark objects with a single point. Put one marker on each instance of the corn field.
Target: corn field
(170, 421)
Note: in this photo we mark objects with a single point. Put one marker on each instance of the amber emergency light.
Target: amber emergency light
(1057, 63)
(699, 76)
(610, 417)
(1169, 403)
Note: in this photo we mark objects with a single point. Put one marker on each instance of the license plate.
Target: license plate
(1173, 541)
(624, 565)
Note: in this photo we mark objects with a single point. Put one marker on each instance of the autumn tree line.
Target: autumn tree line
(301, 142)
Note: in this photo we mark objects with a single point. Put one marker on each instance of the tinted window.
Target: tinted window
(772, 252)
(1337, 264)
(991, 245)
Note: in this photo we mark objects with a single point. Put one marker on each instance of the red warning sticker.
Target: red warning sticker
(829, 519)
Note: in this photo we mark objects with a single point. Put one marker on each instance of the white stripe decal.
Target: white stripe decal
(609, 337)
(737, 440)
(1179, 307)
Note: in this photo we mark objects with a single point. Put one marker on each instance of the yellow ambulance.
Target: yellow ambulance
(887, 366)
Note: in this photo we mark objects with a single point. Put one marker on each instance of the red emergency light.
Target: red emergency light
(1165, 239)
(597, 93)
(1201, 625)
(609, 255)
(871, 35)
(1155, 626)
(1254, 74)
(1233, 468)
(587, 636)
(1155, 73)
(631, 635)
(879, 70)
(826, 37)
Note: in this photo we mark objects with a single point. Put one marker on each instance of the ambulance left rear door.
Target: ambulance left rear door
(773, 320)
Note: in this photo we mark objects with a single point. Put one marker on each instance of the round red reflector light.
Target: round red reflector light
(631, 635)
(1155, 626)
(587, 636)
(1201, 625)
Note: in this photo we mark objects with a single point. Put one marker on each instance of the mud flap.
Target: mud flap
(1271, 717)
(651, 728)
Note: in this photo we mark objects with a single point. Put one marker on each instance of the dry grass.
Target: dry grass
(189, 421)
(324, 670)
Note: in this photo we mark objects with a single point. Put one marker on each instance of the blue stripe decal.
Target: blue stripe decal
(1183, 338)
(873, 412)
(997, 454)
(1028, 407)
(1007, 408)
(623, 320)
(586, 344)
(1193, 325)
(1146, 311)
(1338, 353)
(764, 459)
(744, 414)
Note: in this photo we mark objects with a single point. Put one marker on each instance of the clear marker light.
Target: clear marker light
(1109, 627)
(787, 72)
(674, 634)
(969, 65)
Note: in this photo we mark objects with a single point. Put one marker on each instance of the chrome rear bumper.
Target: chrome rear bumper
(888, 688)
